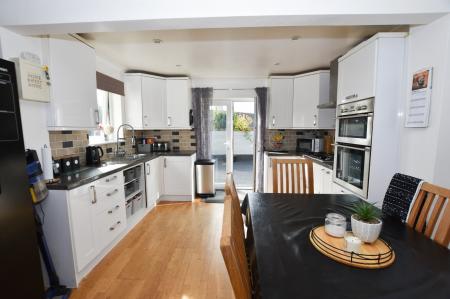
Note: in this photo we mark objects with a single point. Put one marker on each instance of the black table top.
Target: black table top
(290, 267)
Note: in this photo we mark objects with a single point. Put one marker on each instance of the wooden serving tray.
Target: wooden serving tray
(371, 256)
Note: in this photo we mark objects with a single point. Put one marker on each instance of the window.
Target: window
(110, 107)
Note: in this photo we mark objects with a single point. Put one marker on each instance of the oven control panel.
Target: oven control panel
(359, 107)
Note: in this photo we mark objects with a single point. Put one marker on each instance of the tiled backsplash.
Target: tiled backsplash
(290, 137)
(73, 143)
(183, 140)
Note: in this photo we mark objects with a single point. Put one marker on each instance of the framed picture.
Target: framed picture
(418, 110)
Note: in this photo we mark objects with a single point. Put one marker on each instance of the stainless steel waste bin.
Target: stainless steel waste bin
(204, 178)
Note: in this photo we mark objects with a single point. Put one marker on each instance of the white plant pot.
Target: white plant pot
(367, 232)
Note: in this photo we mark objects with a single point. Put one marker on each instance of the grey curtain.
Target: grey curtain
(261, 110)
(201, 101)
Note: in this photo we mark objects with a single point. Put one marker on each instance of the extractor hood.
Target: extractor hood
(333, 85)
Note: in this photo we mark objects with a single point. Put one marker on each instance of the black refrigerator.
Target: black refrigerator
(20, 268)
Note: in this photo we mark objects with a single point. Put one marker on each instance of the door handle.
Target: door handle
(273, 121)
(112, 192)
(112, 210)
(111, 179)
(97, 116)
(94, 194)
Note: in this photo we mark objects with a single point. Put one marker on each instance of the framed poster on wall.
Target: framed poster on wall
(418, 110)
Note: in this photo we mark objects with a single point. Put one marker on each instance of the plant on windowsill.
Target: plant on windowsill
(366, 224)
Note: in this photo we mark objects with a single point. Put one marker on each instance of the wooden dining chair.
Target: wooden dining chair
(430, 213)
(233, 251)
(230, 189)
(293, 176)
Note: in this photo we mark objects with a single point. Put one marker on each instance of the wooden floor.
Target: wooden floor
(172, 253)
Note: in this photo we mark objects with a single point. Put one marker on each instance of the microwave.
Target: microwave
(310, 145)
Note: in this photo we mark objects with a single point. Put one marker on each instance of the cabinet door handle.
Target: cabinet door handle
(112, 192)
(273, 121)
(97, 116)
(112, 210)
(165, 164)
(148, 169)
(111, 179)
(169, 121)
(114, 226)
(352, 96)
(94, 194)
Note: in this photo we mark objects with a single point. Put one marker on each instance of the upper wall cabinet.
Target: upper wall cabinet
(72, 70)
(178, 95)
(280, 103)
(356, 74)
(310, 90)
(153, 102)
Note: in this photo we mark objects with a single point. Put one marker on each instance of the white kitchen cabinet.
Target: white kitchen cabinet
(133, 100)
(83, 227)
(280, 103)
(177, 175)
(323, 179)
(356, 73)
(153, 181)
(310, 90)
(178, 96)
(154, 102)
(72, 69)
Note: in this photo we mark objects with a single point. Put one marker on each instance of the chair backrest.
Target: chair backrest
(293, 176)
(233, 251)
(430, 213)
(230, 189)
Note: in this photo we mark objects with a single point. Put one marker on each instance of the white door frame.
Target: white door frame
(229, 143)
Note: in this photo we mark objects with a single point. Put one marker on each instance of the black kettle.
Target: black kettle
(93, 155)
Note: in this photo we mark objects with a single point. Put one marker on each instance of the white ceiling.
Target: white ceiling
(225, 53)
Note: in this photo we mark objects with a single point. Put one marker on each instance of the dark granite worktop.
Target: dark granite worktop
(327, 164)
(88, 174)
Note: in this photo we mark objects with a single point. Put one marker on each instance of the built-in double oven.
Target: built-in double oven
(353, 143)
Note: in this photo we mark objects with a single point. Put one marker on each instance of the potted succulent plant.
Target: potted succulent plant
(366, 223)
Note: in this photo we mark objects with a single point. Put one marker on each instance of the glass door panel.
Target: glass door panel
(243, 143)
(220, 149)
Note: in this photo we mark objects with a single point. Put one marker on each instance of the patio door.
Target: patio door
(232, 141)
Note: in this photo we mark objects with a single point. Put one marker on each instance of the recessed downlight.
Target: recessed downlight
(157, 40)
(296, 37)
(276, 63)
(178, 65)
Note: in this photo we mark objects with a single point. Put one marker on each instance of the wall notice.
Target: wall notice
(418, 111)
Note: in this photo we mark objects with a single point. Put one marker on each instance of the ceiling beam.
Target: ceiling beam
(56, 16)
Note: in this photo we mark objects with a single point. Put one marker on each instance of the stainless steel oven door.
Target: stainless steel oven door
(351, 168)
(355, 129)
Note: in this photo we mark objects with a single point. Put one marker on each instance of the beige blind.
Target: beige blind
(110, 84)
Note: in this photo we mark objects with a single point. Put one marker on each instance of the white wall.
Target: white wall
(425, 151)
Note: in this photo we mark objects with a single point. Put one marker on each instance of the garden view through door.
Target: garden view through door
(232, 141)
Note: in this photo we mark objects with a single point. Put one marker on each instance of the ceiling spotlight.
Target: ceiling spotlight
(276, 63)
(296, 37)
(178, 65)
(157, 40)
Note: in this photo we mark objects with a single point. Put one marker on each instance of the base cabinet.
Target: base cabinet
(177, 176)
(153, 181)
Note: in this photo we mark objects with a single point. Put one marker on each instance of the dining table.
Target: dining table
(289, 266)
